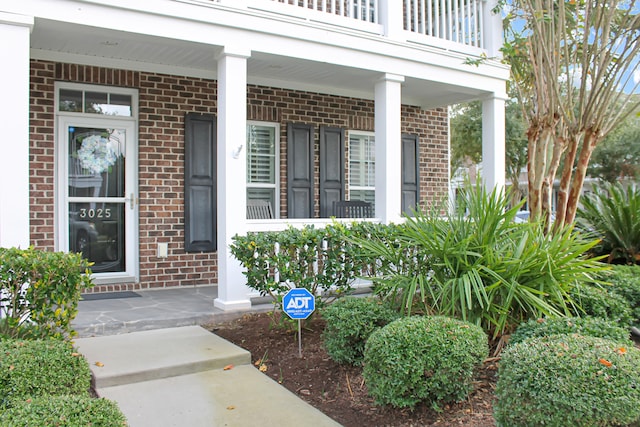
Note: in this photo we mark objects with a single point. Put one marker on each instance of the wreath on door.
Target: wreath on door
(96, 154)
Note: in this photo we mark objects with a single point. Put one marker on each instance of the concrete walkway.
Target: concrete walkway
(163, 373)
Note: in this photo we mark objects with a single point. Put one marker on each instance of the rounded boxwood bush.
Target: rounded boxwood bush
(568, 380)
(37, 367)
(350, 322)
(625, 281)
(603, 303)
(63, 411)
(590, 326)
(416, 359)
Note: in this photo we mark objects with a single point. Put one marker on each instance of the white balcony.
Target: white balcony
(449, 24)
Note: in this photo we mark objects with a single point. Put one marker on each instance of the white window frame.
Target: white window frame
(275, 186)
(351, 185)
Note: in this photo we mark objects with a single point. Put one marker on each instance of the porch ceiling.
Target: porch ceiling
(53, 40)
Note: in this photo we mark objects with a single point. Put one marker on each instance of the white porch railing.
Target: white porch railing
(363, 10)
(459, 22)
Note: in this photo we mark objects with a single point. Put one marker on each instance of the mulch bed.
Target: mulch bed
(340, 391)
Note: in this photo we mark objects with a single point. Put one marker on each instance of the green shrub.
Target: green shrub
(602, 302)
(63, 411)
(612, 213)
(484, 267)
(320, 260)
(416, 359)
(587, 326)
(625, 281)
(39, 292)
(41, 367)
(568, 380)
(349, 322)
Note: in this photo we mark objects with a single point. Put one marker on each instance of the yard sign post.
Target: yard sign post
(298, 303)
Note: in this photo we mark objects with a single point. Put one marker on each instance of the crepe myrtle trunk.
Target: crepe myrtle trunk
(589, 142)
(538, 167)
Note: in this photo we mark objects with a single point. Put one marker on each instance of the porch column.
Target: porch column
(233, 294)
(492, 29)
(388, 148)
(14, 127)
(391, 18)
(493, 142)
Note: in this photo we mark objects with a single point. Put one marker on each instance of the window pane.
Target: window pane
(362, 168)
(119, 105)
(267, 194)
(261, 155)
(94, 102)
(70, 100)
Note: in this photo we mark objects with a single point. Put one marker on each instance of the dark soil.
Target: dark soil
(340, 391)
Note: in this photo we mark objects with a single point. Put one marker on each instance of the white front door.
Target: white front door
(97, 193)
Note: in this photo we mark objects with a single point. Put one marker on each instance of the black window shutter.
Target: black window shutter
(200, 210)
(299, 171)
(331, 169)
(410, 174)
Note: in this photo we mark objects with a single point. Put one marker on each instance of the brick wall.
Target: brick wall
(163, 102)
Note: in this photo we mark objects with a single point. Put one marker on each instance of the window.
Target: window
(95, 102)
(362, 168)
(262, 164)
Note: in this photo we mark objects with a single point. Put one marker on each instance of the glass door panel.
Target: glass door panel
(100, 193)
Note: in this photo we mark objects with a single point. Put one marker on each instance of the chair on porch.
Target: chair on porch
(259, 209)
(352, 209)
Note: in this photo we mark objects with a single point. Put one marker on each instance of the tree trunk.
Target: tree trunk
(588, 144)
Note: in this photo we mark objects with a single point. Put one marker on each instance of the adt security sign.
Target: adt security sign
(298, 303)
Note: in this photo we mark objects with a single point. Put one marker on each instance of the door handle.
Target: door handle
(131, 200)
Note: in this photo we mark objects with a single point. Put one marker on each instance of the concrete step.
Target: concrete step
(162, 353)
(240, 397)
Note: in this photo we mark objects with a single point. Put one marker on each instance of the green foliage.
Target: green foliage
(618, 156)
(466, 137)
(63, 411)
(568, 380)
(625, 281)
(320, 260)
(481, 266)
(586, 326)
(41, 367)
(416, 359)
(349, 323)
(612, 213)
(603, 302)
(39, 292)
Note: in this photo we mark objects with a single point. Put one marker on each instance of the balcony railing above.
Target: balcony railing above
(440, 23)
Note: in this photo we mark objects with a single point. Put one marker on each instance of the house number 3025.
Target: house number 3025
(95, 213)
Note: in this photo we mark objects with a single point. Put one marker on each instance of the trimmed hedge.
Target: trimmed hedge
(601, 302)
(41, 367)
(588, 326)
(416, 359)
(625, 281)
(349, 323)
(568, 380)
(63, 411)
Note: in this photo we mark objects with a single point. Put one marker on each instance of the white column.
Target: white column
(491, 29)
(391, 19)
(388, 148)
(233, 294)
(14, 130)
(493, 142)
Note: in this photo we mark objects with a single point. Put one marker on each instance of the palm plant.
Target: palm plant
(483, 267)
(612, 213)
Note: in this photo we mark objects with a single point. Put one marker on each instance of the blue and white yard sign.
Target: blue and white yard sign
(298, 303)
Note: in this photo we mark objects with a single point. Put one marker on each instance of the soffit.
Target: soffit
(90, 45)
